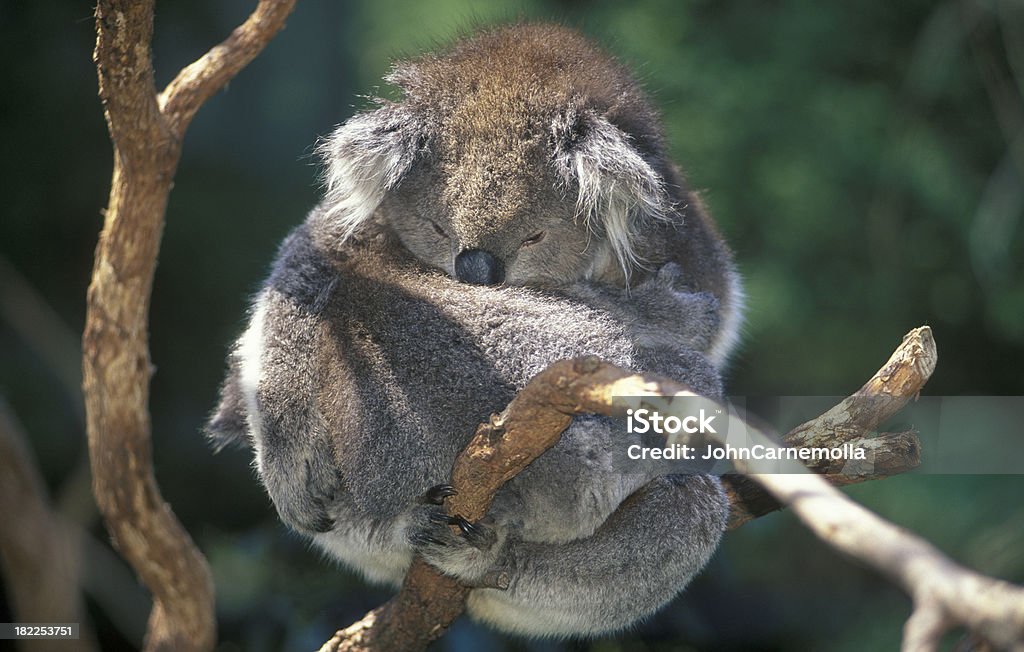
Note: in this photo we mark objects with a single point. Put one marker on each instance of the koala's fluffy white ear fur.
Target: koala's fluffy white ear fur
(618, 189)
(364, 158)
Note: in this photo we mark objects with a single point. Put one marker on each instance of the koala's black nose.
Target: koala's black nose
(478, 267)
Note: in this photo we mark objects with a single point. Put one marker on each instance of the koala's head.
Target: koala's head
(524, 155)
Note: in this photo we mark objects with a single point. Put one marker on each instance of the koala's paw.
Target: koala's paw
(699, 316)
(439, 529)
(432, 526)
(452, 544)
(670, 276)
(670, 315)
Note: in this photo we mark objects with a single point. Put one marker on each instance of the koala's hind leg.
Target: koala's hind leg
(638, 560)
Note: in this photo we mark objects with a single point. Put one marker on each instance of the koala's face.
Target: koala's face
(485, 202)
(512, 160)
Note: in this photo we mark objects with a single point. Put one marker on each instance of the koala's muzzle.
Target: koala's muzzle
(478, 267)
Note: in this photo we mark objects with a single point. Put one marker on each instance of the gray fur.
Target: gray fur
(365, 369)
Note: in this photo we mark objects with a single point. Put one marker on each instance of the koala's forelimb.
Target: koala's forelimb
(428, 601)
(502, 448)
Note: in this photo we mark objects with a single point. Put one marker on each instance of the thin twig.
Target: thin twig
(200, 80)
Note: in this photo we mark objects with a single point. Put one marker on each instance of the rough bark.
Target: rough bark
(898, 381)
(146, 131)
(853, 421)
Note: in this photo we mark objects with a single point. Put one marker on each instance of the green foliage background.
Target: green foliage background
(864, 159)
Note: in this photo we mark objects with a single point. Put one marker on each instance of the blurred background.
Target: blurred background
(864, 159)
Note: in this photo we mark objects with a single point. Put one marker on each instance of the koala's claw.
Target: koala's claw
(422, 539)
(473, 533)
(469, 530)
(433, 527)
(442, 518)
(436, 494)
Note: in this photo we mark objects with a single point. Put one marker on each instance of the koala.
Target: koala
(526, 156)
(515, 209)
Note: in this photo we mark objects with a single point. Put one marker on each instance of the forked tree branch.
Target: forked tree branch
(146, 132)
(853, 421)
(428, 602)
(200, 80)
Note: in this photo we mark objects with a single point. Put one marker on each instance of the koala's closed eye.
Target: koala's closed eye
(437, 229)
(534, 239)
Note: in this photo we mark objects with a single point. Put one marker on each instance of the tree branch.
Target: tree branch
(888, 454)
(898, 381)
(852, 421)
(39, 556)
(198, 81)
(943, 592)
(116, 365)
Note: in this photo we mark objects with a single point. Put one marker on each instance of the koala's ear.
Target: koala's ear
(364, 158)
(618, 188)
